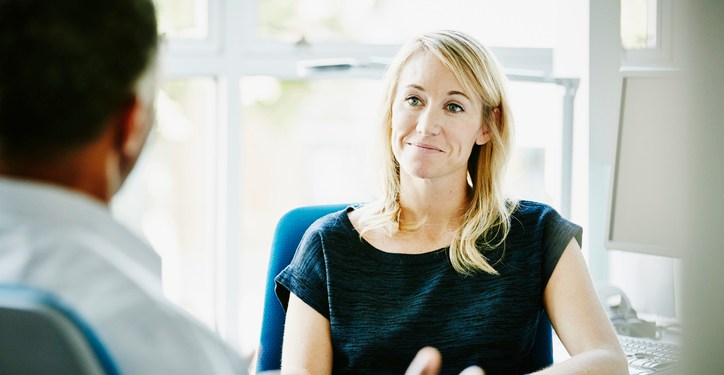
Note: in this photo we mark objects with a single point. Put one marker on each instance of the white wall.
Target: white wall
(604, 65)
(701, 43)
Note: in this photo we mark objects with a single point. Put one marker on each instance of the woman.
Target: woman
(443, 259)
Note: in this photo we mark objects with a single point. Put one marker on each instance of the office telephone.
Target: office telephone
(622, 315)
(646, 352)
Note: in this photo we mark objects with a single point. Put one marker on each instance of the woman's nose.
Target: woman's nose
(428, 123)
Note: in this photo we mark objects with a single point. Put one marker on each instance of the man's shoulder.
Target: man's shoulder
(121, 299)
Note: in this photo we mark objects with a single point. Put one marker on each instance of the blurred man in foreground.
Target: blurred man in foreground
(77, 87)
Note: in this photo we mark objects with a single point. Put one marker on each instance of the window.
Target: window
(183, 19)
(168, 196)
(498, 23)
(242, 137)
(646, 32)
(638, 24)
(534, 172)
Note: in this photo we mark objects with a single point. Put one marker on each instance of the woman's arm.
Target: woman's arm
(307, 346)
(580, 321)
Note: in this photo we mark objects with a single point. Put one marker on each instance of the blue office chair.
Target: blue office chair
(288, 234)
(39, 334)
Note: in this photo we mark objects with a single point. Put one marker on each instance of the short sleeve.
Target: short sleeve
(306, 275)
(557, 234)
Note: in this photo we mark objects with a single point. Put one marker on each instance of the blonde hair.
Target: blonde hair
(486, 221)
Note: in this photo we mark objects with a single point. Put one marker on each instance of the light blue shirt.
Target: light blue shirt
(69, 244)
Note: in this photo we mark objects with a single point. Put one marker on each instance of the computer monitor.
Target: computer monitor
(646, 223)
(648, 198)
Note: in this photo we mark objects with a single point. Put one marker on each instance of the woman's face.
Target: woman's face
(435, 123)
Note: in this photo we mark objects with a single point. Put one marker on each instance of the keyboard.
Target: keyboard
(646, 356)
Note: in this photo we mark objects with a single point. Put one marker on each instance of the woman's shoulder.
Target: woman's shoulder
(525, 208)
(543, 217)
(333, 222)
(530, 213)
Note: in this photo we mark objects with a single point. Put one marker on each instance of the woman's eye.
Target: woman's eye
(454, 108)
(413, 101)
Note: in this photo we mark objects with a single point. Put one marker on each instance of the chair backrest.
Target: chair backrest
(288, 234)
(40, 334)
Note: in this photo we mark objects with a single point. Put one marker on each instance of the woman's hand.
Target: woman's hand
(428, 362)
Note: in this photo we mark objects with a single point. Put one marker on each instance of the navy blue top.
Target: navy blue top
(383, 307)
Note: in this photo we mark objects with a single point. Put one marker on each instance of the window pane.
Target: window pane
(168, 195)
(534, 172)
(184, 19)
(511, 23)
(638, 24)
(303, 143)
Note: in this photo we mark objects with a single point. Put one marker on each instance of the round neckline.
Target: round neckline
(401, 258)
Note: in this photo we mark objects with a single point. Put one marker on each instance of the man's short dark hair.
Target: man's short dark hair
(67, 67)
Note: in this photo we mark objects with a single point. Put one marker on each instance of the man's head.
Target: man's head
(70, 70)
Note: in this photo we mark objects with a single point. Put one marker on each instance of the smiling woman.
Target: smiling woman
(443, 258)
(434, 124)
(447, 62)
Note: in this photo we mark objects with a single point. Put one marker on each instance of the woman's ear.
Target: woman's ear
(484, 134)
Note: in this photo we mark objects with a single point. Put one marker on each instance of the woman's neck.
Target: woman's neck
(434, 203)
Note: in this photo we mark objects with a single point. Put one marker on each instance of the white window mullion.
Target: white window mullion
(229, 179)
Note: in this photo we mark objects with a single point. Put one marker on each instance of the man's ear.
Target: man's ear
(132, 128)
(484, 134)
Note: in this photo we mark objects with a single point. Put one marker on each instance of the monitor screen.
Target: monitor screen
(648, 182)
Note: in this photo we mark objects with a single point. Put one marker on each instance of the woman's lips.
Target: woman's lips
(424, 146)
